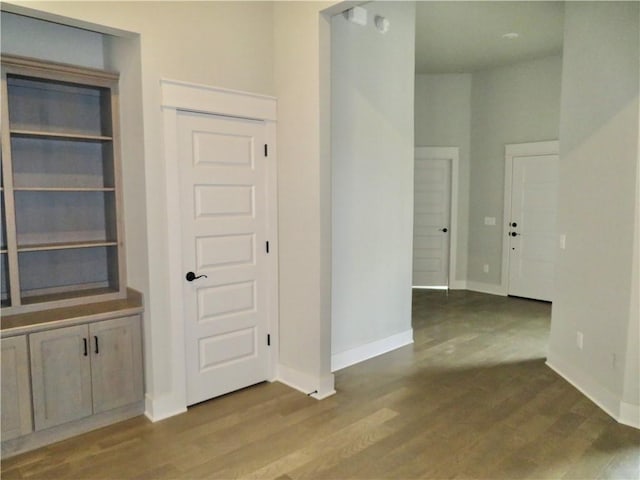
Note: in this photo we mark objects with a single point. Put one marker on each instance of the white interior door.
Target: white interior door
(223, 201)
(532, 226)
(431, 224)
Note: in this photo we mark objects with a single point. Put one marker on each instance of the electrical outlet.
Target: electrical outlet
(485, 269)
(563, 241)
(491, 221)
(580, 340)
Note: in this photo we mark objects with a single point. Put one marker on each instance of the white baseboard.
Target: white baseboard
(620, 411)
(630, 414)
(369, 350)
(316, 387)
(482, 287)
(156, 410)
(458, 285)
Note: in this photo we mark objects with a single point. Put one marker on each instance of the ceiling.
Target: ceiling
(458, 37)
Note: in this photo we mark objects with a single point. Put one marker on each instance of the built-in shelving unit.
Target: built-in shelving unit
(62, 239)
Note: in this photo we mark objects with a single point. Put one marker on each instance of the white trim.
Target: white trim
(629, 414)
(458, 285)
(453, 154)
(177, 96)
(511, 151)
(369, 350)
(219, 101)
(316, 387)
(159, 410)
(620, 411)
(490, 288)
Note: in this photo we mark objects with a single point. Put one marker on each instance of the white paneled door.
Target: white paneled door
(431, 227)
(223, 201)
(532, 226)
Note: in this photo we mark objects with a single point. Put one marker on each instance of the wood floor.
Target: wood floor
(471, 398)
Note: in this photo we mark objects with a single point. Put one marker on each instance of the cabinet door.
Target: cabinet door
(116, 363)
(60, 375)
(16, 395)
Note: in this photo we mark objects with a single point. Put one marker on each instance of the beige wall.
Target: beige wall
(304, 195)
(514, 104)
(443, 119)
(372, 170)
(596, 280)
(226, 44)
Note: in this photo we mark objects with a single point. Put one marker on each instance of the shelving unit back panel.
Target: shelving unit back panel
(55, 106)
(5, 295)
(3, 228)
(46, 162)
(64, 217)
(66, 271)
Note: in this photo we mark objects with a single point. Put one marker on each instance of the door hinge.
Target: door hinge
(267, 246)
(268, 339)
(266, 150)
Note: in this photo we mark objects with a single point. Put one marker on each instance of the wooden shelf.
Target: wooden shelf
(60, 135)
(64, 189)
(75, 293)
(60, 317)
(64, 246)
(63, 217)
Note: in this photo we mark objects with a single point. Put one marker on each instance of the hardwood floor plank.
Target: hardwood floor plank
(471, 398)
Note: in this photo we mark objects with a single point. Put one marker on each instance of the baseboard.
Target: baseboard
(630, 414)
(622, 412)
(316, 387)
(489, 288)
(157, 409)
(458, 285)
(369, 350)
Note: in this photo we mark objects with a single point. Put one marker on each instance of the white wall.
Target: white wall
(372, 77)
(443, 119)
(513, 104)
(304, 195)
(596, 276)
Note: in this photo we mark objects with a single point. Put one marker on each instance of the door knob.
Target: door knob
(514, 224)
(514, 234)
(190, 276)
(445, 230)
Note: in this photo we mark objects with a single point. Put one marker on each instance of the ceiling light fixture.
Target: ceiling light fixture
(511, 35)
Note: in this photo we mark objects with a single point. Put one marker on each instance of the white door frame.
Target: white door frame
(452, 153)
(511, 152)
(177, 96)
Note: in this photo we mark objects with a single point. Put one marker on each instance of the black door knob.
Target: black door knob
(514, 234)
(445, 230)
(514, 224)
(190, 276)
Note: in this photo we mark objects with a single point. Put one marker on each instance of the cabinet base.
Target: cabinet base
(61, 432)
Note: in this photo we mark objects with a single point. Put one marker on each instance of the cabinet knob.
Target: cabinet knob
(445, 229)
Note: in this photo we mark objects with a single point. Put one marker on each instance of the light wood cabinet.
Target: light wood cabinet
(84, 370)
(71, 330)
(116, 363)
(16, 394)
(62, 239)
(60, 376)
